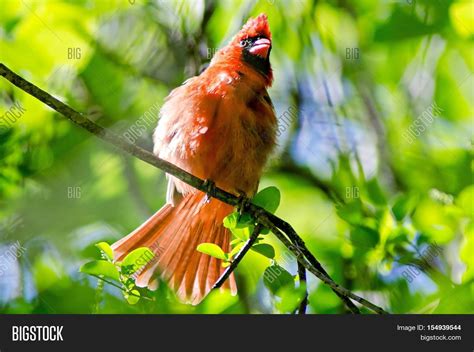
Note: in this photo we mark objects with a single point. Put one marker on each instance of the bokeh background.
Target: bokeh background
(374, 163)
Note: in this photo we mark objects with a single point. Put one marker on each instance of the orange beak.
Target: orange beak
(261, 47)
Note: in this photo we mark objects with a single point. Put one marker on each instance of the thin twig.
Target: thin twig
(259, 214)
(302, 278)
(239, 256)
(299, 246)
(320, 275)
(121, 288)
(98, 295)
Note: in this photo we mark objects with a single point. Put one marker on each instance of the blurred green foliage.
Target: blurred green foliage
(381, 192)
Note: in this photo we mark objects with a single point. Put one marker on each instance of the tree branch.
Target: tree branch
(239, 256)
(299, 247)
(340, 291)
(260, 215)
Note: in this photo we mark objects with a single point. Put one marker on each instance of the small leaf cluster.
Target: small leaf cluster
(120, 274)
(242, 226)
(277, 280)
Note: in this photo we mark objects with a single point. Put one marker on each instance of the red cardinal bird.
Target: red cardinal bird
(218, 126)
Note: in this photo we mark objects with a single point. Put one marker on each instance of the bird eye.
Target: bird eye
(245, 43)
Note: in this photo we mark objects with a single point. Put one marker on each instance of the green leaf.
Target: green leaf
(244, 220)
(435, 220)
(396, 242)
(375, 192)
(213, 250)
(386, 226)
(243, 233)
(240, 226)
(275, 277)
(264, 249)
(106, 249)
(136, 259)
(403, 206)
(364, 237)
(236, 249)
(268, 198)
(132, 298)
(230, 221)
(235, 220)
(101, 267)
(351, 212)
(235, 241)
(290, 298)
(11, 24)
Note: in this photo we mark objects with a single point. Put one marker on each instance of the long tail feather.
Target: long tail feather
(173, 233)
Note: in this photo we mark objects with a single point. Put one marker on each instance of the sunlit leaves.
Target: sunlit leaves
(462, 18)
(132, 296)
(105, 248)
(101, 268)
(242, 226)
(436, 220)
(136, 260)
(121, 273)
(213, 250)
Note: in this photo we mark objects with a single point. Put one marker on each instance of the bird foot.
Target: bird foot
(243, 202)
(210, 189)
